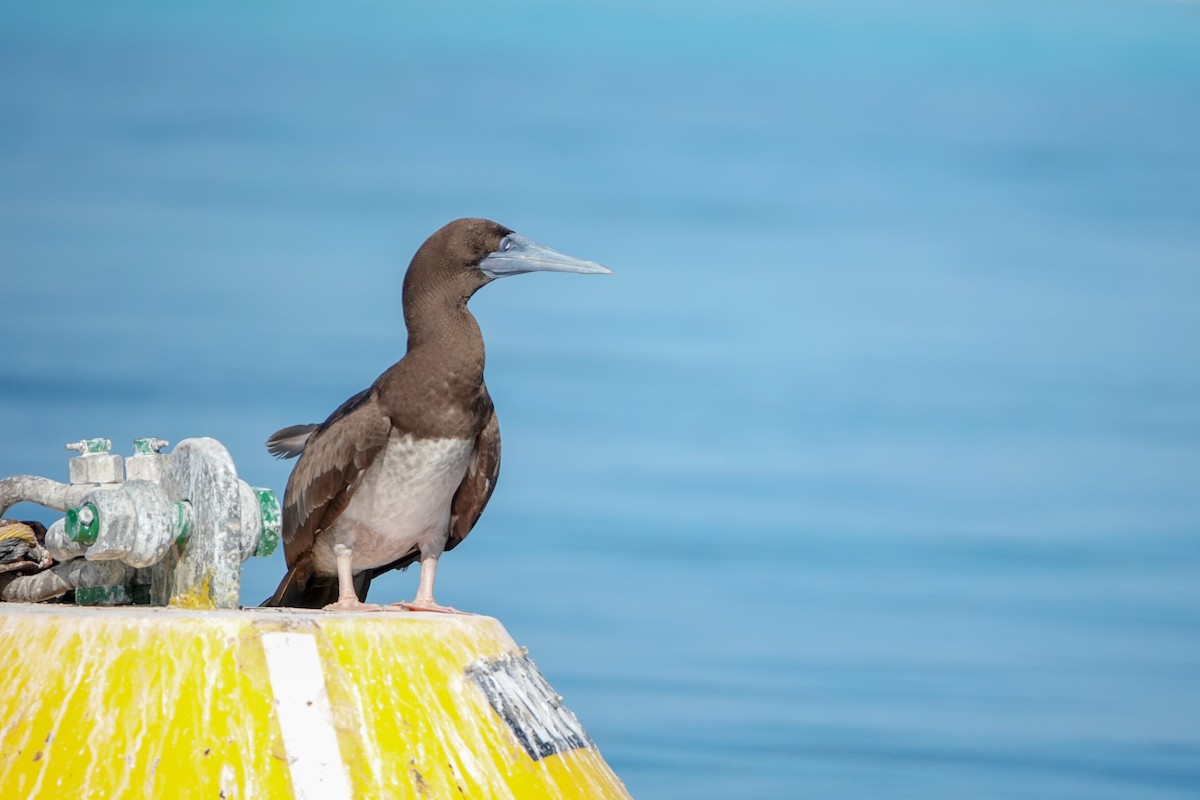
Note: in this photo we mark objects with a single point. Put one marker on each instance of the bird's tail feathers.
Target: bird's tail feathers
(289, 442)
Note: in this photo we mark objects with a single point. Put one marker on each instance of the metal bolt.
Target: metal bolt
(182, 520)
(149, 445)
(90, 446)
(83, 524)
(272, 521)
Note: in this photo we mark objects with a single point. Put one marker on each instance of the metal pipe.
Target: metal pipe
(43, 491)
(62, 578)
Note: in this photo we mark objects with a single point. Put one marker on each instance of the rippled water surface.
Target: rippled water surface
(873, 472)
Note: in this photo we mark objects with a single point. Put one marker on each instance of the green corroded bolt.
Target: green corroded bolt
(83, 524)
(272, 524)
(182, 521)
(90, 446)
(148, 446)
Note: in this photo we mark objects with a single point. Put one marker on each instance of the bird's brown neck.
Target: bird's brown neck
(436, 391)
(443, 324)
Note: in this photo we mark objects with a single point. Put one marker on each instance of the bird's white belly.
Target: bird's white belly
(402, 501)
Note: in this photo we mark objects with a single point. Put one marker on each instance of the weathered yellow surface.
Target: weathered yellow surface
(147, 703)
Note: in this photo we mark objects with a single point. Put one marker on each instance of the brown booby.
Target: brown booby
(401, 471)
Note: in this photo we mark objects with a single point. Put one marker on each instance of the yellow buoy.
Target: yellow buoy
(156, 702)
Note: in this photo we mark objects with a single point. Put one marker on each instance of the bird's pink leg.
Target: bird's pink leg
(424, 599)
(347, 599)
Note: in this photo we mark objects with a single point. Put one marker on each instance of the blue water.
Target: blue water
(873, 472)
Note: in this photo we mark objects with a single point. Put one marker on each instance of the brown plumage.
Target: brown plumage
(402, 471)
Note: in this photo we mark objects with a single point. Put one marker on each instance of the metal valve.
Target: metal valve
(183, 520)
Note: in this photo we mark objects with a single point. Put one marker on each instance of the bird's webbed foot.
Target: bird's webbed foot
(352, 604)
(422, 605)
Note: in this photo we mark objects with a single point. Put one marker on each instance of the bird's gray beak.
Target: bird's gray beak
(516, 254)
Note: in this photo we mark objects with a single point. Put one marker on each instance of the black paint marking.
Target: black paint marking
(526, 702)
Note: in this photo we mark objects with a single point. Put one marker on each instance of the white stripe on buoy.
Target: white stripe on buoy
(305, 717)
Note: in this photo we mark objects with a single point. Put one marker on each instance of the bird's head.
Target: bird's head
(467, 254)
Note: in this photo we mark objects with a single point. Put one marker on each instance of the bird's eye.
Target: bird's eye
(506, 245)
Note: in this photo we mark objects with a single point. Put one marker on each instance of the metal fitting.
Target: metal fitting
(178, 528)
(95, 464)
(146, 462)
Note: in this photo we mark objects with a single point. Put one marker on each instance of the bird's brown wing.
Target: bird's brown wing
(477, 486)
(335, 458)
